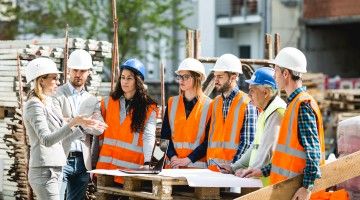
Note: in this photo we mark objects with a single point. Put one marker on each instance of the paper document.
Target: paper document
(208, 178)
(87, 107)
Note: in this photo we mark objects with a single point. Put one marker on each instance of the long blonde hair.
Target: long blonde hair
(37, 91)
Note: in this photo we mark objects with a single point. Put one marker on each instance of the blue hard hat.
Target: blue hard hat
(263, 76)
(134, 65)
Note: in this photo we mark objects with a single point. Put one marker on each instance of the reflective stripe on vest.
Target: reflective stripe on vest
(277, 105)
(289, 158)
(201, 125)
(121, 148)
(231, 144)
(107, 159)
(116, 143)
(224, 134)
(187, 133)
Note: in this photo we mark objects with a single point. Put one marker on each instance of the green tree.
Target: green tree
(139, 20)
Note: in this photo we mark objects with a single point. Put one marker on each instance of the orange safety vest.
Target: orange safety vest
(224, 134)
(119, 146)
(335, 195)
(289, 158)
(188, 133)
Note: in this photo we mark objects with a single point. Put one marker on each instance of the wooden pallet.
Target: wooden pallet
(159, 187)
(344, 95)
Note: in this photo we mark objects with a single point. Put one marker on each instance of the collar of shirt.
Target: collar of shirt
(296, 92)
(231, 95)
(189, 105)
(73, 90)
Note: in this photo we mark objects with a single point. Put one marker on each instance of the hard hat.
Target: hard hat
(134, 65)
(39, 67)
(80, 59)
(263, 76)
(194, 65)
(228, 63)
(291, 58)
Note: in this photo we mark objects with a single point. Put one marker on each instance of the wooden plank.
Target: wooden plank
(333, 173)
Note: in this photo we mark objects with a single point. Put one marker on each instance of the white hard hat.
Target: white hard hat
(194, 65)
(291, 58)
(80, 59)
(228, 63)
(39, 67)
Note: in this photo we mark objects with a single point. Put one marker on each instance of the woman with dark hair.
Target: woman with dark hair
(131, 115)
(187, 118)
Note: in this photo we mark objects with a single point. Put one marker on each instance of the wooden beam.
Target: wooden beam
(197, 44)
(333, 173)
(268, 47)
(246, 61)
(276, 44)
(189, 43)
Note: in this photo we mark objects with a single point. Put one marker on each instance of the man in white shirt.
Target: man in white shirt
(71, 100)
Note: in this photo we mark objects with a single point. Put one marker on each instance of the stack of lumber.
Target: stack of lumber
(344, 99)
(315, 84)
(14, 56)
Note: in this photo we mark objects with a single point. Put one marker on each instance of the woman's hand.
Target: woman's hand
(87, 122)
(180, 162)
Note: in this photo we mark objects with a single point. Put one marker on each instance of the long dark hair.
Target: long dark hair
(139, 105)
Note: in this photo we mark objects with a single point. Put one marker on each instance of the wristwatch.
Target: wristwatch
(309, 188)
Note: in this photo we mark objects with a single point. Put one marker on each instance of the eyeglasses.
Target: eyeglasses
(184, 77)
(55, 78)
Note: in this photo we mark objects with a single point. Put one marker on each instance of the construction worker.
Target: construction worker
(264, 95)
(186, 118)
(131, 115)
(300, 147)
(233, 118)
(67, 101)
(48, 132)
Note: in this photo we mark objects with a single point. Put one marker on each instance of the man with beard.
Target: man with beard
(233, 118)
(71, 100)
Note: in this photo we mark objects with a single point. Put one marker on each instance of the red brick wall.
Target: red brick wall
(330, 8)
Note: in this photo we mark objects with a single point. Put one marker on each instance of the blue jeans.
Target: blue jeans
(75, 179)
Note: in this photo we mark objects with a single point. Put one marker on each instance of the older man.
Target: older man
(263, 94)
(300, 148)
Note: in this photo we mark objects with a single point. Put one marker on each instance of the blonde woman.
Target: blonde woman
(49, 136)
(186, 118)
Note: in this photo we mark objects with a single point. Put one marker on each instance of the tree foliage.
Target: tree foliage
(139, 20)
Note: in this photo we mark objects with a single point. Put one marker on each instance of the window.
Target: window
(244, 51)
(226, 32)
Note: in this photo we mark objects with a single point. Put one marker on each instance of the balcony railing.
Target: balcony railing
(230, 8)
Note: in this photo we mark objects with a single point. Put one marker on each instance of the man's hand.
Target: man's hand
(250, 172)
(225, 168)
(239, 172)
(179, 162)
(302, 194)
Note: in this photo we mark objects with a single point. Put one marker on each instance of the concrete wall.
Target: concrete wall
(285, 21)
(333, 49)
(243, 35)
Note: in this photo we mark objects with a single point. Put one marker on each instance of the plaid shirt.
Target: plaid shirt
(309, 139)
(247, 131)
